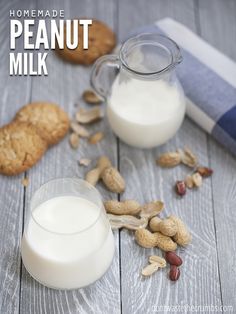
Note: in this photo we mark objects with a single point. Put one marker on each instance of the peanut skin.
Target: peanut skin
(174, 273)
(173, 259)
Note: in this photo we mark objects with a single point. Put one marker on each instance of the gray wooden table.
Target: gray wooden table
(209, 270)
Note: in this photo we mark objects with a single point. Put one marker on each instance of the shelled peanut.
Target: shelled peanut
(175, 261)
(155, 262)
(150, 230)
(188, 158)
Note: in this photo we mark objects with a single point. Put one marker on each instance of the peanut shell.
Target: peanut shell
(126, 221)
(165, 243)
(151, 209)
(113, 180)
(74, 140)
(79, 129)
(170, 159)
(103, 162)
(92, 176)
(167, 227)
(88, 116)
(182, 236)
(96, 137)
(127, 207)
(91, 97)
(188, 158)
(154, 223)
(145, 238)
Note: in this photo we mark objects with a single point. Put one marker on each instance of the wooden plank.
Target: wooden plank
(64, 85)
(147, 13)
(199, 282)
(15, 92)
(218, 27)
(223, 191)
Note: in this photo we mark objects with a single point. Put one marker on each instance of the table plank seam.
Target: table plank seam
(22, 231)
(24, 200)
(197, 17)
(116, 29)
(214, 221)
(198, 27)
(199, 32)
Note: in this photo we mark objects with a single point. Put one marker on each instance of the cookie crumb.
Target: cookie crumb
(25, 182)
(85, 162)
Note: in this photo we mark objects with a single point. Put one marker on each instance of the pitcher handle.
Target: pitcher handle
(108, 61)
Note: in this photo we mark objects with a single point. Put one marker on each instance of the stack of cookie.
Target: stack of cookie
(23, 142)
(39, 125)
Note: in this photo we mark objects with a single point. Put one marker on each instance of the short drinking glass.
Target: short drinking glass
(67, 241)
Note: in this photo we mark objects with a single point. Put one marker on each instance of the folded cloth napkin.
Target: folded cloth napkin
(209, 81)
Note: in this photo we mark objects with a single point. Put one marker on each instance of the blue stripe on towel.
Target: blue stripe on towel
(228, 122)
(210, 92)
(224, 138)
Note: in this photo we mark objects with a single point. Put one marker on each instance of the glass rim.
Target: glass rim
(90, 186)
(171, 64)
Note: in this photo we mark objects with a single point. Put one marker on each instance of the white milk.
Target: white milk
(63, 257)
(145, 113)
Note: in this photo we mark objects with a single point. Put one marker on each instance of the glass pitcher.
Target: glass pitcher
(145, 101)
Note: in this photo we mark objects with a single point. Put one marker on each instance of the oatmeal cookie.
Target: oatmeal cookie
(50, 120)
(20, 147)
(100, 42)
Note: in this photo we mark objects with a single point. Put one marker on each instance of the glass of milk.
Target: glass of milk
(145, 101)
(67, 241)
